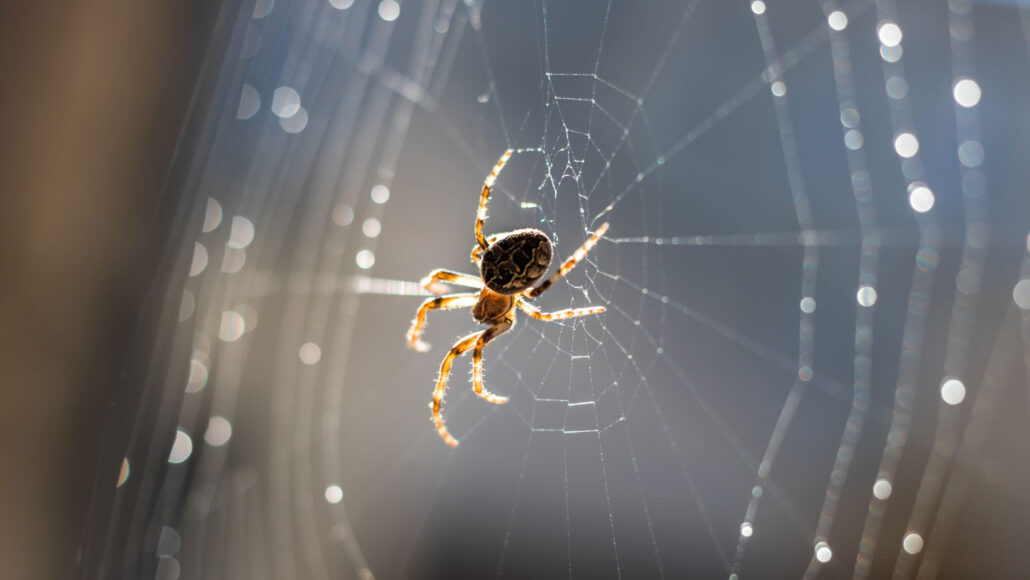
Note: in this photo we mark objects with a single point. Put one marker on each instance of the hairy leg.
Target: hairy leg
(459, 347)
(487, 185)
(561, 314)
(436, 279)
(477, 361)
(569, 264)
(418, 325)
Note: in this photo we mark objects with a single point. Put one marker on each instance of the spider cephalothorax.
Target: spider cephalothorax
(509, 266)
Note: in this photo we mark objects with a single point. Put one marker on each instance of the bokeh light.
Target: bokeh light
(953, 391)
(182, 447)
(219, 431)
(967, 93)
(310, 353)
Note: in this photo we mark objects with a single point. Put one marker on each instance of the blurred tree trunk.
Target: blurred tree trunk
(93, 101)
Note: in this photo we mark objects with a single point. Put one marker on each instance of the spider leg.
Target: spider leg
(477, 252)
(561, 314)
(569, 264)
(436, 279)
(487, 184)
(477, 360)
(464, 344)
(450, 302)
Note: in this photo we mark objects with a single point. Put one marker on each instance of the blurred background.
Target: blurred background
(813, 363)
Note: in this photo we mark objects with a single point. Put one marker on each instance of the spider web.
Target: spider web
(815, 282)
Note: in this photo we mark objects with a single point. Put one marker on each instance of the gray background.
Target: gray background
(698, 380)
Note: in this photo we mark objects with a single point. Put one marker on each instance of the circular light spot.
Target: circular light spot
(167, 568)
(380, 194)
(233, 260)
(250, 316)
(758, 7)
(187, 305)
(973, 183)
(310, 353)
(198, 376)
(333, 494)
(978, 234)
(365, 259)
(746, 530)
(219, 431)
(296, 123)
(837, 20)
(953, 391)
(853, 139)
(341, 4)
(181, 448)
(968, 280)
(242, 232)
(866, 295)
(806, 373)
(913, 543)
(168, 542)
(342, 215)
(960, 30)
(971, 153)
(1021, 293)
(199, 259)
(897, 87)
(371, 227)
(123, 473)
(967, 93)
(849, 117)
(927, 259)
(921, 199)
(389, 10)
(285, 102)
(890, 53)
(778, 88)
(882, 489)
(263, 8)
(232, 326)
(212, 215)
(250, 103)
(889, 33)
(860, 180)
(808, 305)
(906, 144)
(823, 553)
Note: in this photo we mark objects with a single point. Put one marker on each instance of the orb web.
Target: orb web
(754, 160)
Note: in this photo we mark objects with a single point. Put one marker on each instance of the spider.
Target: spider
(509, 265)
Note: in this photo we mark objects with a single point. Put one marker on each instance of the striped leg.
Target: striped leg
(477, 251)
(477, 361)
(570, 263)
(487, 184)
(459, 347)
(436, 279)
(561, 314)
(451, 302)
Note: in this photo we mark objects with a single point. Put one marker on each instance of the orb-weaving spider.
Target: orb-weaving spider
(509, 265)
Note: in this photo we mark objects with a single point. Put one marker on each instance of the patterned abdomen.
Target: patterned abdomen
(516, 261)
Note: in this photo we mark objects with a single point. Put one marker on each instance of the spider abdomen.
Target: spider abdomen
(516, 261)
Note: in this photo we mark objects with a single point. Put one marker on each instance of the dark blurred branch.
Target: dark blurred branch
(95, 95)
